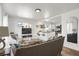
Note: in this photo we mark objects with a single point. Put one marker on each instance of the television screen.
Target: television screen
(26, 30)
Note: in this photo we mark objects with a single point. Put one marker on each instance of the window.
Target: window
(69, 28)
(5, 21)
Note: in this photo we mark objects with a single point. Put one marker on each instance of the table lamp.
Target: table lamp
(3, 33)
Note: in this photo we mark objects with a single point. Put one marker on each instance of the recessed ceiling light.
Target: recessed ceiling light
(37, 10)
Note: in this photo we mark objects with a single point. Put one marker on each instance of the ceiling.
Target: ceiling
(27, 10)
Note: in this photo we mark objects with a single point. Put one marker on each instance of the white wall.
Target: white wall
(65, 17)
(0, 14)
(13, 24)
(3, 17)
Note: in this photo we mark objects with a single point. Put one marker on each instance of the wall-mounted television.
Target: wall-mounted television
(26, 30)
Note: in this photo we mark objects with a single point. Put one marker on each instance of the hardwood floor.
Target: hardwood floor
(69, 52)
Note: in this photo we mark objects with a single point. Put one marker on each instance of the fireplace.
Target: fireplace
(72, 29)
(72, 37)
